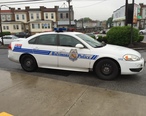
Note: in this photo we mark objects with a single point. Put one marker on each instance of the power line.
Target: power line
(21, 2)
(29, 2)
(101, 1)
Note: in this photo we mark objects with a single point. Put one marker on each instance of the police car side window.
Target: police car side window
(68, 41)
(33, 41)
(48, 39)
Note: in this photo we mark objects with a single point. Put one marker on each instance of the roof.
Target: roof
(63, 9)
(49, 10)
(5, 11)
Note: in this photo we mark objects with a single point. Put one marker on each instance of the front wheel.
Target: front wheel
(107, 69)
(28, 63)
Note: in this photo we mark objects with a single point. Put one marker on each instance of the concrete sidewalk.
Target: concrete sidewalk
(26, 95)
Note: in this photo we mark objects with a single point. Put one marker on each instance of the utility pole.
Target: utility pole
(131, 40)
(69, 12)
(126, 12)
(1, 26)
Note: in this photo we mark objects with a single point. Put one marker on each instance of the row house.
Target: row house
(35, 20)
(143, 16)
(63, 17)
(139, 14)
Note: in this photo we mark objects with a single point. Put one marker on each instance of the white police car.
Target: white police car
(76, 52)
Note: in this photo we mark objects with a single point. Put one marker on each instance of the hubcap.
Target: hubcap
(106, 69)
(28, 63)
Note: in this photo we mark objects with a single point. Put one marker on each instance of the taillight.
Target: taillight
(10, 47)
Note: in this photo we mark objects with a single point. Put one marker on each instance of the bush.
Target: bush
(121, 35)
(5, 33)
(141, 38)
(99, 38)
(102, 38)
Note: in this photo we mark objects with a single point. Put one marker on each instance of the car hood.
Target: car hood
(118, 50)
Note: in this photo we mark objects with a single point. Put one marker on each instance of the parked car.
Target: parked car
(75, 51)
(7, 39)
(22, 34)
(143, 31)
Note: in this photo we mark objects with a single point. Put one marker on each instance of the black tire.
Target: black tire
(107, 69)
(141, 33)
(28, 63)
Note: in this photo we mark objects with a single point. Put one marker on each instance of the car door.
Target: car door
(71, 57)
(44, 50)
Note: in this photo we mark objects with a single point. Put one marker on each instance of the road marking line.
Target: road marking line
(5, 114)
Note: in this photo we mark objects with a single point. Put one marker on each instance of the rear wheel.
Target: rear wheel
(107, 69)
(28, 63)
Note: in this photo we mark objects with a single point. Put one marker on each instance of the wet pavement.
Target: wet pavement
(32, 95)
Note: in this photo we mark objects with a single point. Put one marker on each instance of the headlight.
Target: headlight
(130, 57)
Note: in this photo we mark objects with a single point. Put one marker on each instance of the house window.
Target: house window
(7, 27)
(46, 15)
(37, 15)
(52, 16)
(14, 27)
(33, 26)
(3, 17)
(61, 15)
(23, 17)
(4, 27)
(46, 26)
(32, 16)
(39, 26)
(8, 17)
(17, 26)
(66, 15)
(17, 17)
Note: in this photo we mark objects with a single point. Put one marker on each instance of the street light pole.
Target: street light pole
(69, 12)
(131, 40)
(1, 30)
(1, 26)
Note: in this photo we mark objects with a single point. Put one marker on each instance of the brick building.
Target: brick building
(35, 20)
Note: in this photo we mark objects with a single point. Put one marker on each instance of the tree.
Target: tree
(109, 22)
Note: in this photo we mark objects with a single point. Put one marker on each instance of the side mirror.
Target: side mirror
(79, 46)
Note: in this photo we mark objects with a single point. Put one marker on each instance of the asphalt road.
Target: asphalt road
(135, 84)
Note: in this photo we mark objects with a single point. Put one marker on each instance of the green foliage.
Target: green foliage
(5, 33)
(102, 38)
(109, 22)
(86, 19)
(141, 38)
(121, 35)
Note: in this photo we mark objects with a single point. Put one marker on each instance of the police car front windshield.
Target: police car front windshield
(92, 42)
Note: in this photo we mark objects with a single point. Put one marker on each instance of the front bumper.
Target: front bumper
(132, 67)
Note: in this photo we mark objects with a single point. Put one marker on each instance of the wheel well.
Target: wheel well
(104, 59)
(26, 54)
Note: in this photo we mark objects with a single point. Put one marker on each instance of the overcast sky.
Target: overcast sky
(94, 9)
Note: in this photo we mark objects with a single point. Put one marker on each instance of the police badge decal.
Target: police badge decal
(73, 54)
